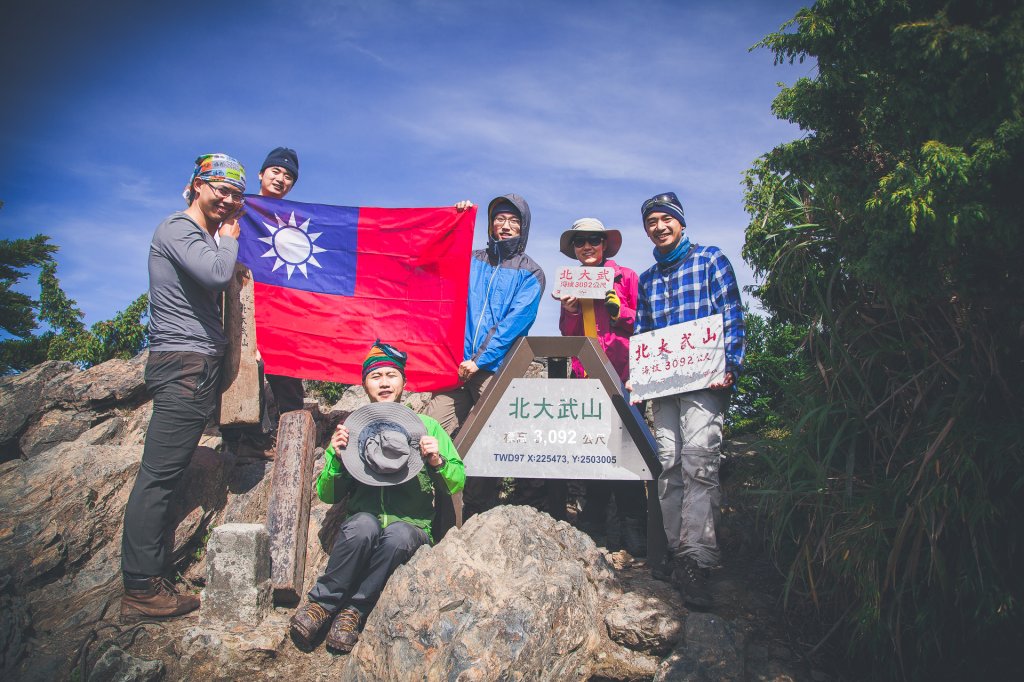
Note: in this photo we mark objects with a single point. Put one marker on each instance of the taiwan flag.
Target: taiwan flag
(329, 280)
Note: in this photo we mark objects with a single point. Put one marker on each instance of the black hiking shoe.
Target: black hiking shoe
(692, 582)
(662, 570)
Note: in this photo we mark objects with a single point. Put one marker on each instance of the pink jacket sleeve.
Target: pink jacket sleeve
(570, 324)
(626, 288)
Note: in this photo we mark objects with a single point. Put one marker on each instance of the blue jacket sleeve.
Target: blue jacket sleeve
(516, 322)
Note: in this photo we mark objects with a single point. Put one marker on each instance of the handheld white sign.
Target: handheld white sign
(583, 282)
(556, 428)
(685, 357)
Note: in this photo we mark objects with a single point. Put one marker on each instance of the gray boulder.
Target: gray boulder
(14, 627)
(643, 624)
(105, 385)
(117, 665)
(22, 398)
(514, 594)
(713, 651)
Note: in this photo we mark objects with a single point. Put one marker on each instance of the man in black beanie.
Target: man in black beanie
(278, 175)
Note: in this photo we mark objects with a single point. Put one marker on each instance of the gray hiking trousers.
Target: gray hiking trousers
(688, 429)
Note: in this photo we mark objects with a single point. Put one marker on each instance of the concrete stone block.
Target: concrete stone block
(238, 586)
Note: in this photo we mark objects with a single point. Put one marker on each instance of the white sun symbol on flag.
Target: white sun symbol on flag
(292, 245)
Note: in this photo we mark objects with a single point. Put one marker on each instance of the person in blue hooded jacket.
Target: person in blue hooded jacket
(505, 289)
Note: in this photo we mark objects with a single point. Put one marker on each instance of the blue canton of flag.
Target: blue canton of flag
(300, 246)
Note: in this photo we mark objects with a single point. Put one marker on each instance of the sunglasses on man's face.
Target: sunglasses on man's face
(593, 240)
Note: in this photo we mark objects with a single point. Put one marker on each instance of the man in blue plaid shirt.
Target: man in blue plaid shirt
(687, 282)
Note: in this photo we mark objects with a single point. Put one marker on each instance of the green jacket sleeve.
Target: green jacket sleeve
(453, 473)
(334, 482)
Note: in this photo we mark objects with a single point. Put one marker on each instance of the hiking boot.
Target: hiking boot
(691, 581)
(662, 570)
(344, 631)
(308, 622)
(154, 598)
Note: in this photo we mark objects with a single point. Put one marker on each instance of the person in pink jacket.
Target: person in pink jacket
(592, 245)
(588, 242)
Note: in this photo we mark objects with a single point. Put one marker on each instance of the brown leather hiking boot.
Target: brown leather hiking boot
(344, 631)
(308, 622)
(156, 600)
(691, 581)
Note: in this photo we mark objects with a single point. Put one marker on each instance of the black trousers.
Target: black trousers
(363, 558)
(184, 387)
(629, 499)
(288, 392)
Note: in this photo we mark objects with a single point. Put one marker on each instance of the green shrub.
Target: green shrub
(328, 391)
(891, 232)
(773, 366)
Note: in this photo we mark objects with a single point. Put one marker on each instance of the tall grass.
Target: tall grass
(895, 504)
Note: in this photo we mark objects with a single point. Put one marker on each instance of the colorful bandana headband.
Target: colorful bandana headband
(384, 355)
(215, 168)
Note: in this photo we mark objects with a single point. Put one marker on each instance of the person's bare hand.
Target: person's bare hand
(571, 304)
(467, 369)
(430, 451)
(230, 228)
(629, 390)
(340, 438)
(727, 381)
(463, 205)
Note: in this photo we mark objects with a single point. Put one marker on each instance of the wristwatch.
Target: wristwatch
(441, 465)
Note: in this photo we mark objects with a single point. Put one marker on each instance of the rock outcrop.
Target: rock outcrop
(54, 403)
(63, 505)
(512, 595)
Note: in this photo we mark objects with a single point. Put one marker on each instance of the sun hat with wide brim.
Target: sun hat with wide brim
(383, 444)
(613, 238)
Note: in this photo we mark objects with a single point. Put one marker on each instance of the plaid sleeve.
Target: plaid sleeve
(725, 293)
(644, 315)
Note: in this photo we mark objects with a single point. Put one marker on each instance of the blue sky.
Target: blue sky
(584, 108)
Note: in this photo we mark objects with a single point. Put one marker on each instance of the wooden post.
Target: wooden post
(291, 486)
(240, 386)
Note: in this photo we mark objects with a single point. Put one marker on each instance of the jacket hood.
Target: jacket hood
(509, 247)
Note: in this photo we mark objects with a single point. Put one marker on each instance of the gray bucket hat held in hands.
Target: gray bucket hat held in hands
(384, 444)
(587, 226)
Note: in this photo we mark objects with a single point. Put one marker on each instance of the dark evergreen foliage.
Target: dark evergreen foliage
(892, 232)
(66, 338)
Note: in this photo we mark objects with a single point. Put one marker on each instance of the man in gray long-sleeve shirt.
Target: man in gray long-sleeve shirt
(191, 260)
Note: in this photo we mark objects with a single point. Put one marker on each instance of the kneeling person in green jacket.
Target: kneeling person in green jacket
(382, 458)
